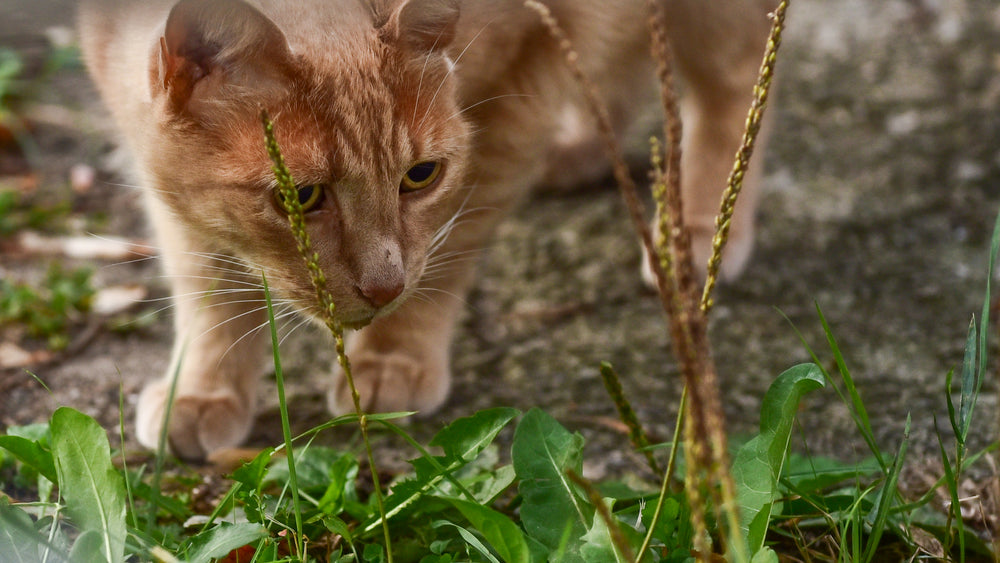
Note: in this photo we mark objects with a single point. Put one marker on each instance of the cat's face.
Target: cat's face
(368, 125)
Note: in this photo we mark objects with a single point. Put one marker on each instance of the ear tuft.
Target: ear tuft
(427, 25)
(203, 37)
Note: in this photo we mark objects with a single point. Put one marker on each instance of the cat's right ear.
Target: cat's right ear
(426, 26)
(210, 46)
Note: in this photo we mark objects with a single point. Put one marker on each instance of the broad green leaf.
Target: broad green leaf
(673, 528)
(19, 540)
(30, 453)
(373, 553)
(465, 438)
(252, 473)
(93, 489)
(35, 432)
(759, 462)
(89, 546)
(314, 466)
(502, 533)
(598, 546)
(342, 477)
(765, 555)
(495, 484)
(542, 452)
(220, 540)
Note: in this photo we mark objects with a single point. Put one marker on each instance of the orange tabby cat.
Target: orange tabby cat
(411, 127)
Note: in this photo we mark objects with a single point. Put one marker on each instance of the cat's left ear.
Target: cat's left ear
(425, 26)
(211, 46)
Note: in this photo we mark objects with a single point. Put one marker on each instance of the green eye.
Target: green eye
(421, 175)
(310, 197)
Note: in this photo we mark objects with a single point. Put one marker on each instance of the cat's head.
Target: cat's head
(365, 111)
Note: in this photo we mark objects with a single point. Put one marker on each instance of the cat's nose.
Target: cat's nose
(381, 294)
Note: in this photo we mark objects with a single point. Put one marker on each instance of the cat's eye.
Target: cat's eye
(420, 176)
(311, 196)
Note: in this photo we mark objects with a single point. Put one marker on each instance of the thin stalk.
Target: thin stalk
(734, 185)
(671, 463)
(161, 446)
(636, 433)
(286, 432)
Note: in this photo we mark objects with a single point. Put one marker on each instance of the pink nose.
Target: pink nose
(381, 294)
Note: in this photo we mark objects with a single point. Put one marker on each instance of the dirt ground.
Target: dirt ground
(882, 185)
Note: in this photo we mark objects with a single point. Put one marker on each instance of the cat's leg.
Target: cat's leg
(217, 355)
(718, 48)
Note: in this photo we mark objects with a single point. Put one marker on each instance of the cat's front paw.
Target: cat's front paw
(199, 424)
(392, 382)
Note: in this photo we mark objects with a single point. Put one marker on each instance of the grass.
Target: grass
(303, 502)
(459, 504)
(47, 310)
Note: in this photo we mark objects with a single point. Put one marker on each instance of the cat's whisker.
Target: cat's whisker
(199, 294)
(211, 279)
(124, 185)
(254, 330)
(444, 230)
(229, 259)
(420, 84)
(180, 300)
(427, 289)
(231, 319)
(243, 268)
(453, 65)
(477, 104)
(302, 322)
(446, 258)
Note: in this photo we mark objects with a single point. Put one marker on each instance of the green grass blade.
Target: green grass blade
(969, 389)
(859, 413)
(984, 326)
(887, 497)
(129, 496)
(285, 427)
(955, 510)
(161, 445)
(93, 489)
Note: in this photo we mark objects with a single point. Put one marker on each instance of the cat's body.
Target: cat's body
(412, 127)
